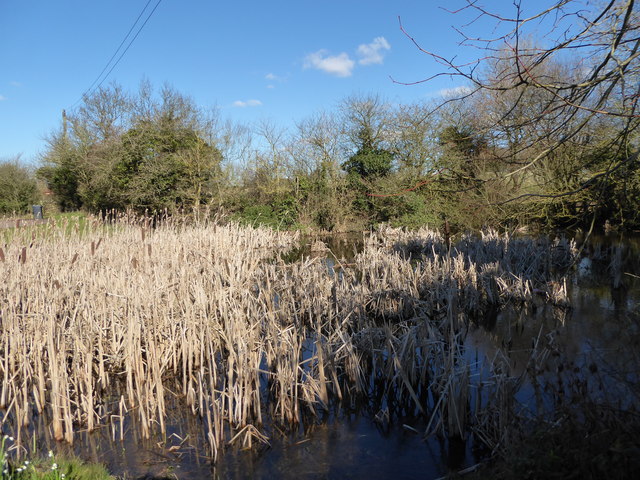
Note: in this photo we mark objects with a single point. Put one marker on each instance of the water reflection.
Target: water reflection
(350, 448)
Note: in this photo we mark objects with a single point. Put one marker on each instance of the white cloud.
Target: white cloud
(15, 84)
(273, 79)
(339, 65)
(271, 86)
(373, 53)
(458, 91)
(2, 97)
(247, 103)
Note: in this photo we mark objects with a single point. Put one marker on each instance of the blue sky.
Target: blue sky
(254, 60)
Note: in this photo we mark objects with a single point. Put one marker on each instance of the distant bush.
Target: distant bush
(281, 213)
(18, 188)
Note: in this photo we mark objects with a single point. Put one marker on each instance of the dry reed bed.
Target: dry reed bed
(210, 314)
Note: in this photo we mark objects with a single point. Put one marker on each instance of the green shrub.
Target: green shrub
(18, 188)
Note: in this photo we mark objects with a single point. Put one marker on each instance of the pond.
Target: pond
(595, 342)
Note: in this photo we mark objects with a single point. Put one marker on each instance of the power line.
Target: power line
(115, 53)
(132, 40)
(91, 88)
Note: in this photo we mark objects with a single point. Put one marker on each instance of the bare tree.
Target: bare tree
(102, 115)
(319, 144)
(367, 119)
(567, 74)
(272, 162)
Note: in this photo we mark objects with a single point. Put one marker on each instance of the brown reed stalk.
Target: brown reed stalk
(217, 314)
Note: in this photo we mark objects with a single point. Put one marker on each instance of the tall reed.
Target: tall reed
(115, 322)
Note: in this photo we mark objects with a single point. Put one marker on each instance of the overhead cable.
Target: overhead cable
(99, 82)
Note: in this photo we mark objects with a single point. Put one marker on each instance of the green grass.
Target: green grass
(67, 224)
(47, 467)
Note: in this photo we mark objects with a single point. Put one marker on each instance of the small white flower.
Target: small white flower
(54, 466)
(19, 469)
(26, 462)
(50, 454)
(11, 439)
(62, 475)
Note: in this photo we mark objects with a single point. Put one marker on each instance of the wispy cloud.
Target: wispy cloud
(339, 65)
(458, 91)
(274, 78)
(373, 53)
(2, 97)
(247, 103)
(15, 84)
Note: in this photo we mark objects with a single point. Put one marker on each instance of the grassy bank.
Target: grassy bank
(41, 467)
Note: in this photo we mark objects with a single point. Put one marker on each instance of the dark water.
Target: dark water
(597, 340)
(349, 448)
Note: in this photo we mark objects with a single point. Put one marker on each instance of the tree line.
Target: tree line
(367, 162)
(535, 135)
